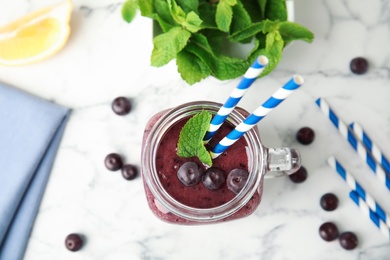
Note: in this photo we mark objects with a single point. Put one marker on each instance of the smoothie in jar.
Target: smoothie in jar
(174, 202)
(232, 187)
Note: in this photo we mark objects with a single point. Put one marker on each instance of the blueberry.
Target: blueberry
(73, 242)
(348, 240)
(236, 180)
(359, 65)
(299, 176)
(213, 178)
(189, 173)
(329, 202)
(329, 231)
(305, 135)
(113, 162)
(121, 106)
(129, 171)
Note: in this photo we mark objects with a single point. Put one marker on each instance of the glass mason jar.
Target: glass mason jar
(262, 162)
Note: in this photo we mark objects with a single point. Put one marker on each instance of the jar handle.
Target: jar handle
(281, 161)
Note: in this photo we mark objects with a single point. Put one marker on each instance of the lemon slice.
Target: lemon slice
(36, 36)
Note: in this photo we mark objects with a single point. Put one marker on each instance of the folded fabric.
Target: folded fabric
(30, 132)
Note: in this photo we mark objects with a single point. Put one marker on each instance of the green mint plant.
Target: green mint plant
(194, 32)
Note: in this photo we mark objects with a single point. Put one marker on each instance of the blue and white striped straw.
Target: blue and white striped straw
(280, 95)
(249, 77)
(347, 133)
(371, 146)
(354, 185)
(369, 213)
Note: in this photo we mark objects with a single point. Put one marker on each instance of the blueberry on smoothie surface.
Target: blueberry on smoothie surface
(299, 176)
(305, 135)
(213, 178)
(129, 171)
(189, 173)
(113, 162)
(348, 240)
(74, 242)
(121, 106)
(359, 65)
(329, 201)
(329, 231)
(236, 180)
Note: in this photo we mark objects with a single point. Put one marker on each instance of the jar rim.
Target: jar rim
(256, 166)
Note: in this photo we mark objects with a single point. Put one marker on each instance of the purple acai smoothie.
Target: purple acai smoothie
(198, 196)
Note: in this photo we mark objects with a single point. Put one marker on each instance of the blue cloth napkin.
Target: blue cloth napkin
(30, 133)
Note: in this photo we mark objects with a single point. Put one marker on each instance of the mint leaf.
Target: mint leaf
(276, 10)
(241, 19)
(188, 5)
(208, 12)
(192, 22)
(146, 8)
(177, 12)
(167, 45)
(191, 68)
(265, 26)
(253, 9)
(221, 67)
(162, 25)
(224, 14)
(190, 142)
(129, 10)
(162, 10)
(216, 40)
(292, 31)
(250, 31)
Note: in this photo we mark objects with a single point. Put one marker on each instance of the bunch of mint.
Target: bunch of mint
(194, 33)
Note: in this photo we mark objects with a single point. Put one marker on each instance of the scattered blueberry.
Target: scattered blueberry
(359, 65)
(236, 180)
(329, 231)
(299, 176)
(213, 178)
(113, 162)
(129, 171)
(73, 242)
(329, 202)
(305, 135)
(189, 173)
(121, 106)
(348, 240)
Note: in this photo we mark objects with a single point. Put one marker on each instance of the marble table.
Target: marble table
(106, 57)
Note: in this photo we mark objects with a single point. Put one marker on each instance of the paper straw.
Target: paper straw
(369, 213)
(354, 185)
(280, 95)
(249, 77)
(371, 146)
(347, 133)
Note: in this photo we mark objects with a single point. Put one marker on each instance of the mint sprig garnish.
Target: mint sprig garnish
(190, 142)
(195, 32)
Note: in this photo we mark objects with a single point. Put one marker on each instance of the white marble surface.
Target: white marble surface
(106, 58)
